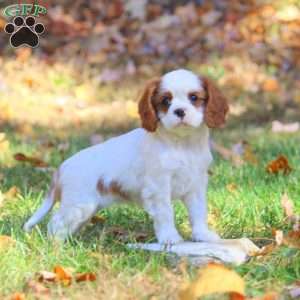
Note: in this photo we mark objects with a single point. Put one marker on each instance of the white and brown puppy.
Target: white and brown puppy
(166, 159)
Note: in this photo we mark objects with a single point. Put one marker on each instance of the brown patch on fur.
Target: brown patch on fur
(146, 109)
(55, 188)
(158, 101)
(216, 106)
(113, 188)
(201, 97)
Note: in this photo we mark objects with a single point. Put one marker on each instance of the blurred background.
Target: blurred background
(95, 56)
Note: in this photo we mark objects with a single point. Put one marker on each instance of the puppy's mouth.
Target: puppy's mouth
(183, 123)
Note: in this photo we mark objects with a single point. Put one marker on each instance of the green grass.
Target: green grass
(253, 210)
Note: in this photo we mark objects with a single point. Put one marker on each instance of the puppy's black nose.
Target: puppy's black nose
(179, 112)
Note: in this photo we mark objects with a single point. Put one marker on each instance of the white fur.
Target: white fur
(153, 168)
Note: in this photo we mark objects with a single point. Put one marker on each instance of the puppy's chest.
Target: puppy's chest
(185, 170)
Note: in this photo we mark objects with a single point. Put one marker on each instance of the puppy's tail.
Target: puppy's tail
(46, 206)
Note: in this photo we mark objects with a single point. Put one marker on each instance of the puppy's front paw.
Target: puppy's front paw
(205, 235)
(169, 237)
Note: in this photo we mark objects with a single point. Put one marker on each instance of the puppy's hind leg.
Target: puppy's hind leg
(70, 217)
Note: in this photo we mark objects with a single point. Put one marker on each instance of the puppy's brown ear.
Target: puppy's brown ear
(146, 109)
(216, 106)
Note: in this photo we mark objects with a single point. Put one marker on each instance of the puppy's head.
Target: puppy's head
(182, 99)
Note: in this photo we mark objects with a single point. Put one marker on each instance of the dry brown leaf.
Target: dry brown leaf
(37, 288)
(11, 193)
(288, 208)
(17, 296)
(287, 128)
(62, 275)
(265, 250)
(279, 237)
(244, 150)
(270, 85)
(292, 239)
(45, 276)
(231, 187)
(80, 277)
(37, 162)
(279, 164)
(214, 278)
(228, 154)
(287, 205)
(97, 220)
(294, 290)
(249, 155)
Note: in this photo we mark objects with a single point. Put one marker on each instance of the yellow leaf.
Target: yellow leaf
(63, 276)
(18, 296)
(4, 143)
(214, 278)
(270, 85)
(11, 193)
(6, 242)
(231, 187)
(249, 156)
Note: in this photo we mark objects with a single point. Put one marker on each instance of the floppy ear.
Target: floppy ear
(146, 109)
(216, 106)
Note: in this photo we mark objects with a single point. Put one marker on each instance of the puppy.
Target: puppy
(166, 159)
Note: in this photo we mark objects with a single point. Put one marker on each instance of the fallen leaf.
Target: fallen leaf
(249, 155)
(279, 164)
(268, 296)
(244, 150)
(279, 237)
(294, 290)
(97, 220)
(231, 187)
(62, 275)
(292, 239)
(141, 237)
(11, 193)
(17, 296)
(80, 277)
(45, 276)
(37, 162)
(270, 85)
(287, 205)
(4, 143)
(228, 154)
(214, 278)
(6, 242)
(265, 250)
(37, 288)
(286, 128)
(118, 232)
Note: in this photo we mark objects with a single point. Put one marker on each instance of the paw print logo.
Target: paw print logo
(24, 32)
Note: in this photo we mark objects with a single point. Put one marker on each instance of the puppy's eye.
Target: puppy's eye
(193, 97)
(166, 100)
